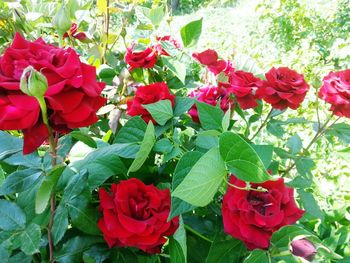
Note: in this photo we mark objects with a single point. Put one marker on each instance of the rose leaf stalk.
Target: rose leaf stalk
(35, 84)
(263, 124)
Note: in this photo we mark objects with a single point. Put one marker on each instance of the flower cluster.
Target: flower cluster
(72, 97)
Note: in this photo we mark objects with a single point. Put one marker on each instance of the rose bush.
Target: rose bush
(142, 136)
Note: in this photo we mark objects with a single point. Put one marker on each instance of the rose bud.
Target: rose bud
(61, 21)
(303, 248)
(33, 83)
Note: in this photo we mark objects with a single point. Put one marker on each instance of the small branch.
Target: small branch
(247, 187)
(197, 234)
(318, 135)
(263, 124)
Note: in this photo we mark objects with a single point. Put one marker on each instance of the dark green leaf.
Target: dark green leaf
(29, 160)
(285, 235)
(30, 239)
(294, 144)
(20, 181)
(163, 146)
(133, 131)
(85, 138)
(265, 153)
(257, 256)
(146, 147)
(60, 223)
(310, 204)
(9, 144)
(11, 216)
(75, 186)
(182, 104)
(210, 116)
(225, 249)
(241, 159)
(191, 32)
(202, 182)
(161, 111)
(274, 127)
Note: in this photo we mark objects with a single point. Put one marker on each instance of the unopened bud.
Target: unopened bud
(303, 248)
(33, 83)
(62, 21)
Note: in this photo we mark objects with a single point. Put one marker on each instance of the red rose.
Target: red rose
(142, 59)
(135, 215)
(147, 95)
(244, 86)
(336, 91)
(72, 98)
(284, 88)
(253, 216)
(303, 248)
(210, 59)
(73, 32)
(169, 39)
(210, 95)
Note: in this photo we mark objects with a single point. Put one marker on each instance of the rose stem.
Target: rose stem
(318, 135)
(53, 147)
(197, 234)
(263, 124)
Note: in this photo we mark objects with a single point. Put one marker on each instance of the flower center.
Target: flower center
(259, 202)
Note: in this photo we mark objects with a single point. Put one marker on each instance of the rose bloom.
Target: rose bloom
(135, 215)
(147, 95)
(140, 59)
(72, 98)
(211, 95)
(336, 91)
(244, 86)
(253, 216)
(303, 248)
(210, 59)
(284, 88)
(73, 32)
(169, 39)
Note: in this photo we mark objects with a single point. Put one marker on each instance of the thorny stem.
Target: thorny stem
(263, 124)
(321, 130)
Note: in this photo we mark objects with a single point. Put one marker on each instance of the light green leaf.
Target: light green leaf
(202, 182)
(226, 120)
(46, 188)
(11, 216)
(310, 204)
(191, 32)
(176, 67)
(294, 144)
(156, 15)
(257, 256)
(265, 153)
(30, 239)
(177, 244)
(210, 116)
(161, 111)
(286, 234)
(146, 147)
(241, 159)
(182, 104)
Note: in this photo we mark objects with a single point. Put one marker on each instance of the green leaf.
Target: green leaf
(11, 216)
(226, 120)
(225, 249)
(161, 111)
(83, 215)
(257, 256)
(32, 160)
(340, 130)
(60, 223)
(310, 204)
(46, 188)
(191, 32)
(294, 144)
(210, 116)
(30, 239)
(286, 234)
(163, 146)
(73, 249)
(241, 159)
(132, 132)
(202, 182)
(274, 127)
(146, 147)
(156, 15)
(176, 67)
(75, 186)
(182, 104)
(176, 253)
(80, 136)
(265, 153)
(2, 176)
(9, 144)
(180, 237)
(20, 181)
